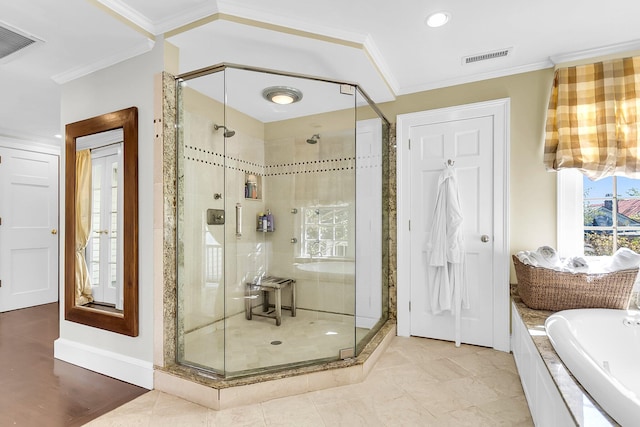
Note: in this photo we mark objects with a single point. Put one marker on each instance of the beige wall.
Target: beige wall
(128, 83)
(532, 194)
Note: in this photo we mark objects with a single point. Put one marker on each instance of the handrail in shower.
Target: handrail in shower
(238, 220)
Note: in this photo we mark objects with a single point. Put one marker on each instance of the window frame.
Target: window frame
(570, 213)
(304, 254)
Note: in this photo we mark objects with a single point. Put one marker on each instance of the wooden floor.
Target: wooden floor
(38, 390)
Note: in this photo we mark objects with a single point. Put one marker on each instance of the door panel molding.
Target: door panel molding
(499, 110)
(29, 232)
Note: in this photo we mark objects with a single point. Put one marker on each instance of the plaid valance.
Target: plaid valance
(592, 122)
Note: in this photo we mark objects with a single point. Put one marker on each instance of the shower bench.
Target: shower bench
(265, 285)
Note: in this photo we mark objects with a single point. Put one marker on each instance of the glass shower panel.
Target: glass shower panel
(281, 261)
(371, 295)
(294, 165)
(201, 219)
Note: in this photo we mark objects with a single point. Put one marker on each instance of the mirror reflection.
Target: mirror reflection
(99, 202)
(101, 290)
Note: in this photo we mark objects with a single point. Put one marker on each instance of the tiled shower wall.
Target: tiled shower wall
(300, 175)
(293, 175)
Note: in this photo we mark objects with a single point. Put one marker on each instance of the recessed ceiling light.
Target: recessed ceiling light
(282, 95)
(438, 19)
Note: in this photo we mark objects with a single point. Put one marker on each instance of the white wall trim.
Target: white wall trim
(29, 145)
(115, 365)
(570, 213)
(500, 109)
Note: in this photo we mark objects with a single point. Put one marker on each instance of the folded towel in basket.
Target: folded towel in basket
(547, 257)
(576, 264)
(623, 259)
(544, 256)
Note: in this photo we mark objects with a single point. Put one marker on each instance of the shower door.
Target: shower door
(244, 160)
(298, 168)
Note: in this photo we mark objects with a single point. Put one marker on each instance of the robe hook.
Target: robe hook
(450, 162)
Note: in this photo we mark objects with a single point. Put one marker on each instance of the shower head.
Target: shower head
(314, 139)
(228, 133)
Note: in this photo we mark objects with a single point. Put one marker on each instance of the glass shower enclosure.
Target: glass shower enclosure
(281, 222)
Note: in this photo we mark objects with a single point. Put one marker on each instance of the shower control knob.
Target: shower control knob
(484, 238)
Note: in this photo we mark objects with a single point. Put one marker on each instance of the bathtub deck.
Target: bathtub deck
(579, 402)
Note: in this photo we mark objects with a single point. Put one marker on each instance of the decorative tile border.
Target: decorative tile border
(199, 155)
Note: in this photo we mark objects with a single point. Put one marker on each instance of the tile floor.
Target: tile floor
(259, 343)
(417, 382)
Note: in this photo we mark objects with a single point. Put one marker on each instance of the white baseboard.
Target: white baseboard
(115, 365)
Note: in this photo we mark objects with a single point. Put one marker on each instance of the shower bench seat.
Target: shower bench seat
(265, 285)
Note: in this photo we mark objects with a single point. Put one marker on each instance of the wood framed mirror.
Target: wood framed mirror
(101, 222)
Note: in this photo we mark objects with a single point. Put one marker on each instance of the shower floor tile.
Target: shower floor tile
(259, 343)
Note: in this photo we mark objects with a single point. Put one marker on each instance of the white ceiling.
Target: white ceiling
(383, 46)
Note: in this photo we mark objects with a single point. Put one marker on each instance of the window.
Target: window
(591, 220)
(611, 209)
(213, 266)
(102, 250)
(325, 232)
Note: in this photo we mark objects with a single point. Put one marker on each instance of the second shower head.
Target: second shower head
(314, 139)
(228, 133)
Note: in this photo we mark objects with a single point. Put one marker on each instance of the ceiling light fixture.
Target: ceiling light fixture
(438, 19)
(282, 95)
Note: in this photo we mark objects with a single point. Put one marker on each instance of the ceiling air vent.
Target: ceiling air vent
(12, 41)
(486, 56)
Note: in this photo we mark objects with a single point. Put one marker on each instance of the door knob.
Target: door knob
(484, 238)
(54, 231)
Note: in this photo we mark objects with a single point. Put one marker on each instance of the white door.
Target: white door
(104, 248)
(28, 233)
(468, 143)
(474, 139)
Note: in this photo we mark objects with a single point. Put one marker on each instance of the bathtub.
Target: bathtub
(601, 348)
(332, 267)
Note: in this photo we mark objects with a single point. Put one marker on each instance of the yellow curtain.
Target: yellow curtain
(83, 225)
(592, 122)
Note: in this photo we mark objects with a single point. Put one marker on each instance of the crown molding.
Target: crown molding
(596, 52)
(371, 50)
(503, 72)
(138, 49)
(159, 27)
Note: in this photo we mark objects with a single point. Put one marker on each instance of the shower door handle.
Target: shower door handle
(238, 220)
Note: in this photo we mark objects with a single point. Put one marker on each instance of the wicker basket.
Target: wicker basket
(546, 289)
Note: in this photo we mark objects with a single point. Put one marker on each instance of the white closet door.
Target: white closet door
(29, 230)
(468, 143)
(476, 138)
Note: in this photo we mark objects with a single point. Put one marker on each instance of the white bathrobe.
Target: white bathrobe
(445, 253)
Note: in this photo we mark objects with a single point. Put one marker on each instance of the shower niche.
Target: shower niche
(311, 154)
(252, 186)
